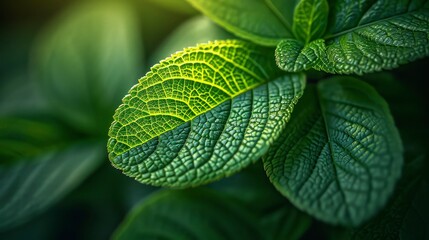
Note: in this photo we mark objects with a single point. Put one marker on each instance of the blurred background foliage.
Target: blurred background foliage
(64, 67)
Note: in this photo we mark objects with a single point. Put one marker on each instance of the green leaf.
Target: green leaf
(415, 224)
(340, 156)
(87, 60)
(293, 56)
(286, 222)
(264, 22)
(189, 214)
(188, 123)
(278, 219)
(383, 36)
(310, 19)
(29, 187)
(196, 30)
(21, 138)
(399, 220)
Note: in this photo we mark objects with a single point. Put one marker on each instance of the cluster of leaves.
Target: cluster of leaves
(241, 99)
(209, 111)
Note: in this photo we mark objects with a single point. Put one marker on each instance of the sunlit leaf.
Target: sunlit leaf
(188, 123)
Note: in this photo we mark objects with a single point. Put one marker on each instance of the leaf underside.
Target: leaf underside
(187, 123)
(381, 38)
(340, 155)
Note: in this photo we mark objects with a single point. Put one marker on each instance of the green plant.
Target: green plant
(330, 146)
(271, 119)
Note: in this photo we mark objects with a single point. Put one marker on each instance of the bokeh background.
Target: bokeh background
(64, 68)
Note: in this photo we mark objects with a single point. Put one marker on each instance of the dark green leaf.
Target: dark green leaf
(286, 222)
(189, 214)
(23, 138)
(29, 187)
(278, 219)
(404, 216)
(366, 36)
(416, 222)
(340, 156)
(310, 19)
(264, 22)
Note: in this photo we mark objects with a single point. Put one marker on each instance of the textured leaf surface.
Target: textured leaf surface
(190, 214)
(340, 156)
(185, 85)
(310, 19)
(264, 22)
(349, 14)
(87, 60)
(29, 187)
(386, 34)
(186, 123)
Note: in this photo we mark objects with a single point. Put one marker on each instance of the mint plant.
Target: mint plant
(329, 145)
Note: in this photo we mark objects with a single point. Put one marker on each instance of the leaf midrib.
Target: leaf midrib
(358, 27)
(328, 135)
(269, 79)
(270, 5)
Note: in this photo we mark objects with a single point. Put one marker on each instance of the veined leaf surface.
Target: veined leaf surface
(264, 22)
(310, 19)
(365, 36)
(202, 114)
(340, 155)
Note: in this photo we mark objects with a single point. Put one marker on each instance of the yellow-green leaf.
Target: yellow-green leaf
(202, 114)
